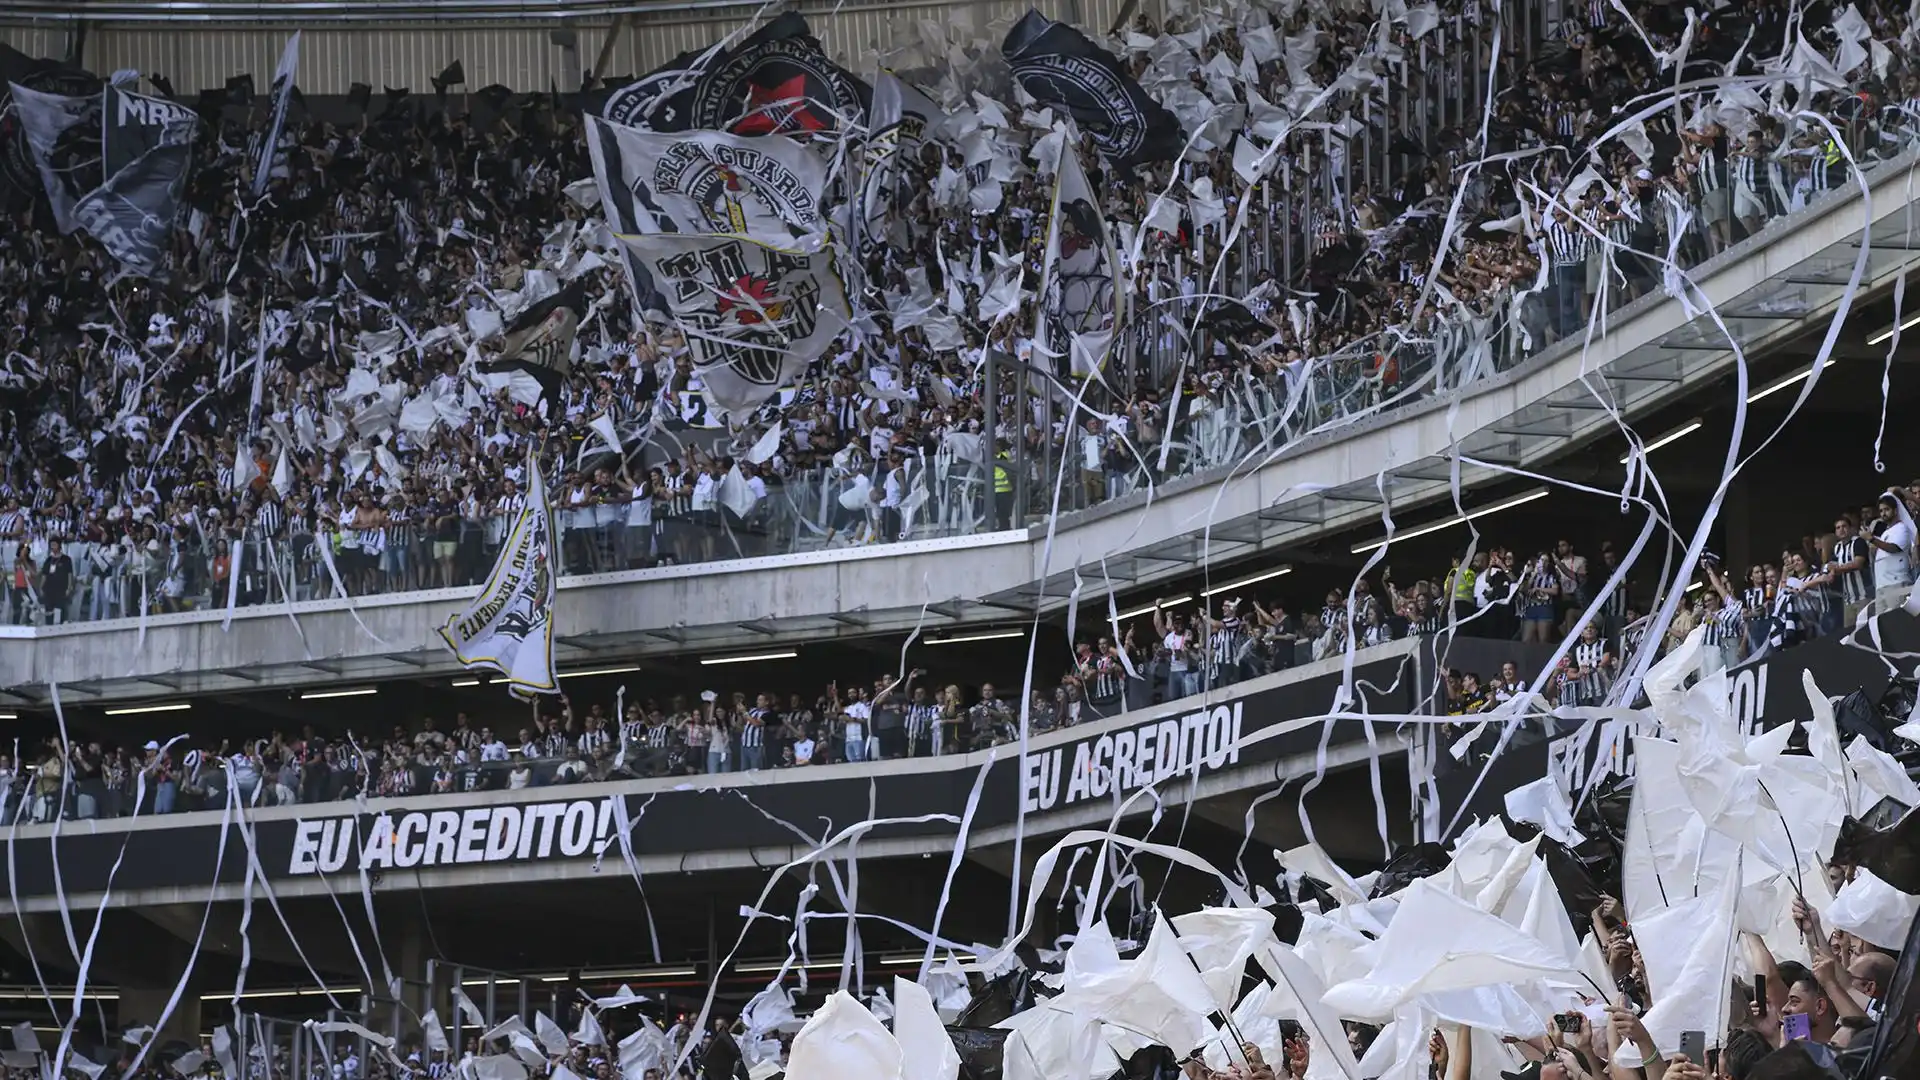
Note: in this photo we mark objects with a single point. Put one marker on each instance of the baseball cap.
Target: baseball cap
(152, 745)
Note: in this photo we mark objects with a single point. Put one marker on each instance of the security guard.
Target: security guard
(1002, 487)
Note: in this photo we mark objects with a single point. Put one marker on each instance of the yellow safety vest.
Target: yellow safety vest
(1002, 479)
(1463, 584)
(1833, 152)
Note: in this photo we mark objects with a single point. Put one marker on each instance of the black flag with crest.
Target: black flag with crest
(1062, 68)
(660, 100)
(779, 81)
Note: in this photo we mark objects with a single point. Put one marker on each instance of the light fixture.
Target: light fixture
(9, 716)
(1457, 519)
(466, 682)
(768, 969)
(1149, 609)
(639, 973)
(134, 710)
(749, 658)
(1696, 585)
(1244, 582)
(358, 691)
(990, 635)
(598, 671)
(309, 992)
(1673, 436)
(496, 982)
(1887, 335)
(1791, 380)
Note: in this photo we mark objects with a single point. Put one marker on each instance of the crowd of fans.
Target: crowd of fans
(138, 476)
(1821, 584)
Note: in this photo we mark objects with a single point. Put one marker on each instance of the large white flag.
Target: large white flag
(508, 628)
(1079, 286)
(754, 315)
(902, 120)
(766, 188)
(282, 90)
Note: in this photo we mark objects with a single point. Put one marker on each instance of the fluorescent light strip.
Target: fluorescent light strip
(1887, 335)
(597, 671)
(1696, 585)
(1791, 380)
(134, 710)
(1670, 437)
(1457, 519)
(1244, 582)
(265, 994)
(466, 682)
(751, 658)
(765, 969)
(1148, 610)
(991, 635)
(649, 973)
(316, 695)
(10, 716)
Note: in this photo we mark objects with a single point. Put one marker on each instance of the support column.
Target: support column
(142, 1006)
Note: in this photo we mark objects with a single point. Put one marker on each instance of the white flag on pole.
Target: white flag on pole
(508, 628)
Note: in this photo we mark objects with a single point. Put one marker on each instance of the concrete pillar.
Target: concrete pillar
(396, 1011)
(142, 1006)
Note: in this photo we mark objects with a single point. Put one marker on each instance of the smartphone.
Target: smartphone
(1797, 1026)
(1760, 991)
(1693, 1046)
(1567, 1022)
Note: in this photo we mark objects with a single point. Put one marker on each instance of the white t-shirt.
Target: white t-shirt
(1892, 568)
(803, 751)
(1176, 644)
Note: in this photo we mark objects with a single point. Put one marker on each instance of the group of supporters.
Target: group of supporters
(1821, 584)
(137, 476)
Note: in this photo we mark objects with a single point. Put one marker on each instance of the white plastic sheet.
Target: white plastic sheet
(843, 1041)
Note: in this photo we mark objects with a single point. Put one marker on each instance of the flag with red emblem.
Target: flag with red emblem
(1079, 281)
(779, 81)
(754, 315)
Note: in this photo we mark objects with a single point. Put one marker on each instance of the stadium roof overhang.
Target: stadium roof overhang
(316, 12)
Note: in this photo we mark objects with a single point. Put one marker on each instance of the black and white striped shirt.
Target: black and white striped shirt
(753, 731)
(1567, 243)
(1228, 635)
(1856, 585)
(593, 741)
(921, 719)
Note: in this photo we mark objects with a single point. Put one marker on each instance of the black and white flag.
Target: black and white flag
(540, 340)
(754, 315)
(508, 628)
(661, 100)
(1079, 284)
(902, 120)
(766, 188)
(132, 124)
(777, 81)
(132, 214)
(61, 135)
(1063, 69)
(282, 91)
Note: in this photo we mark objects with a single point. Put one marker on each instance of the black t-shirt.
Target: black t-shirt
(57, 575)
